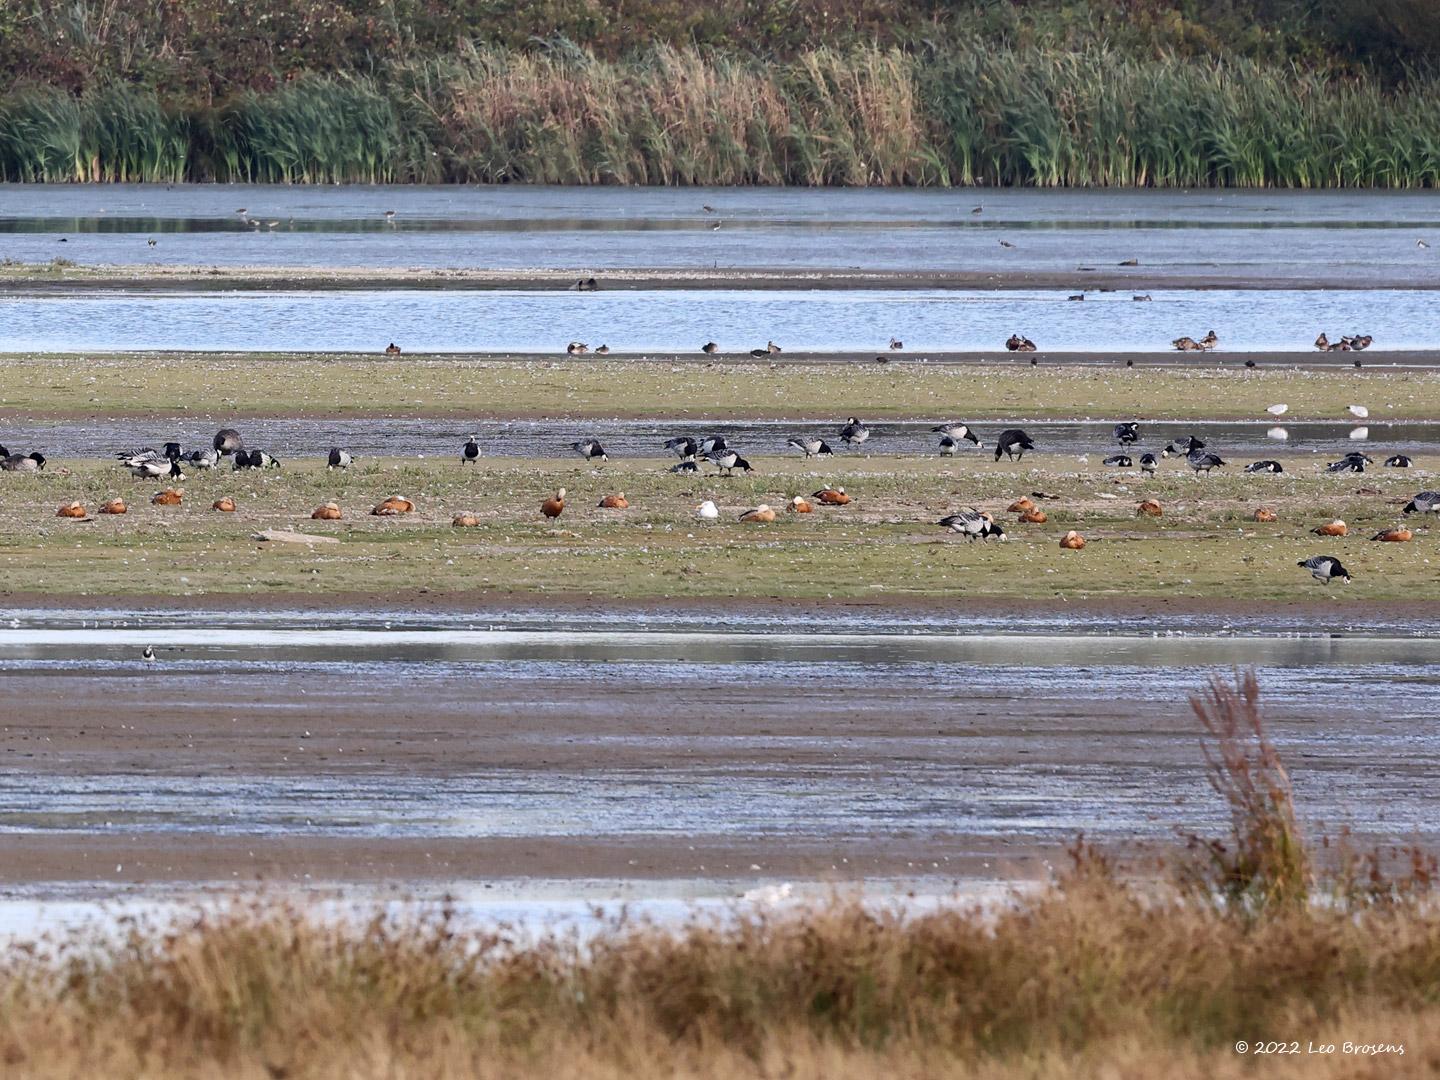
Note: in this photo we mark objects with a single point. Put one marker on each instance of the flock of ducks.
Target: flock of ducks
(972, 523)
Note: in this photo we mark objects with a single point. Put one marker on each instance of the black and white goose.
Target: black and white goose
(1350, 463)
(228, 441)
(854, 432)
(973, 523)
(948, 446)
(31, 462)
(590, 449)
(1187, 445)
(147, 464)
(1397, 461)
(1325, 569)
(206, 458)
(812, 447)
(712, 444)
(1149, 463)
(729, 460)
(1127, 433)
(1118, 461)
(1266, 466)
(683, 447)
(338, 459)
(1013, 443)
(470, 452)
(688, 466)
(1202, 461)
(1427, 502)
(956, 431)
(254, 459)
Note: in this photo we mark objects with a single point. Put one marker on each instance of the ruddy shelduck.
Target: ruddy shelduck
(225, 504)
(329, 512)
(115, 506)
(832, 496)
(1265, 515)
(554, 506)
(761, 515)
(394, 506)
(1149, 508)
(615, 502)
(168, 497)
(1400, 535)
(73, 510)
(1072, 541)
(799, 505)
(1034, 516)
(1334, 528)
(465, 520)
(1020, 505)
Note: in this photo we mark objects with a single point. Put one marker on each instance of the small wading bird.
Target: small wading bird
(1325, 569)
(812, 447)
(1013, 443)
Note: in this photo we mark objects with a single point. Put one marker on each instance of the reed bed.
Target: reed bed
(968, 115)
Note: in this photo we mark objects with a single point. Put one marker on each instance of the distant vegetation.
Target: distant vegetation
(886, 92)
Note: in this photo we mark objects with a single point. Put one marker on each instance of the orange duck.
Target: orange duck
(1399, 535)
(761, 515)
(1034, 517)
(115, 506)
(466, 520)
(394, 506)
(1020, 505)
(615, 502)
(74, 510)
(1149, 508)
(832, 496)
(225, 504)
(1265, 514)
(328, 512)
(168, 497)
(1335, 528)
(1072, 541)
(799, 505)
(554, 506)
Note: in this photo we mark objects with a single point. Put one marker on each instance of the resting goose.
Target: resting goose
(577, 348)
(1013, 443)
(1266, 466)
(1325, 569)
(1118, 461)
(31, 462)
(203, 459)
(812, 447)
(1397, 461)
(685, 467)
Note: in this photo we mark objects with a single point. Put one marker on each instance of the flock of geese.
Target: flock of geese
(170, 461)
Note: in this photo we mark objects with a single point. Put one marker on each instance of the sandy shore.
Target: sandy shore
(1119, 279)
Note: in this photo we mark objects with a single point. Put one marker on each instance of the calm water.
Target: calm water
(1362, 239)
(659, 321)
(376, 437)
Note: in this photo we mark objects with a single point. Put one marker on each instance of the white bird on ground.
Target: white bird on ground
(1278, 410)
(707, 511)
(1279, 434)
(1359, 411)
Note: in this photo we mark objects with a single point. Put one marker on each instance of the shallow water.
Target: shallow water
(639, 321)
(1366, 238)
(1019, 736)
(291, 440)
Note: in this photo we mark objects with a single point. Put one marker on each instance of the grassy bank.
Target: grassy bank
(224, 385)
(965, 113)
(883, 547)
